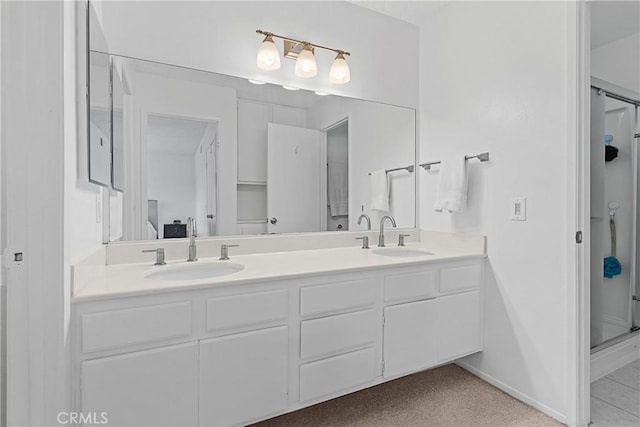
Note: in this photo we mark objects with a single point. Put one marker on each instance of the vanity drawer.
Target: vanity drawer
(341, 296)
(460, 277)
(335, 374)
(336, 334)
(244, 311)
(112, 329)
(411, 286)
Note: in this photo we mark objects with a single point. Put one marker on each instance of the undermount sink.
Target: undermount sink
(401, 251)
(195, 270)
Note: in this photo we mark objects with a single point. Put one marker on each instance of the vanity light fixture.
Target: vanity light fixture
(321, 93)
(303, 52)
(268, 56)
(257, 82)
(290, 87)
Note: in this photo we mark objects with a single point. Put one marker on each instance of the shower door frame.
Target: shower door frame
(633, 99)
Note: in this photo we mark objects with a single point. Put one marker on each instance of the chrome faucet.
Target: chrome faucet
(365, 216)
(191, 231)
(381, 237)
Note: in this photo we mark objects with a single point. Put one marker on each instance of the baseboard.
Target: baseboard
(607, 360)
(513, 392)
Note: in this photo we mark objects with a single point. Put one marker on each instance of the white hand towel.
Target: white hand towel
(338, 189)
(452, 185)
(379, 191)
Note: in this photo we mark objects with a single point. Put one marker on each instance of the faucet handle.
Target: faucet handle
(365, 241)
(159, 255)
(224, 251)
(401, 239)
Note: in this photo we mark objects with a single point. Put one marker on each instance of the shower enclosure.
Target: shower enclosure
(615, 255)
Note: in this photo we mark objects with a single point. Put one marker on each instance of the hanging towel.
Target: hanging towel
(338, 189)
(452, 185)
(379, 190)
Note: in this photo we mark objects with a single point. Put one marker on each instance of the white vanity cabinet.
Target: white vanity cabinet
(156, 387)
(235, 354)
(340, 336)
(244, 376)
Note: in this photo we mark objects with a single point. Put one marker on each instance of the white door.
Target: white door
(409, 337)
(459, 325)
(293, 179)
(156, 387)
(243, 377)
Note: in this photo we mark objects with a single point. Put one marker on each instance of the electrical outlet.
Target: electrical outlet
(518, 209)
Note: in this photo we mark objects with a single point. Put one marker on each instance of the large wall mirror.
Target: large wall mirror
(244, 158)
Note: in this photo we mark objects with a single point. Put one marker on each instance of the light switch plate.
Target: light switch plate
(518, 209)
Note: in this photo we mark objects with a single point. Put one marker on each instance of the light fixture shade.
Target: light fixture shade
(268, 55)
(339, 73)
(306, 65)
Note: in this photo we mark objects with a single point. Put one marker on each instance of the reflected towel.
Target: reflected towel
(379, 190)
(452, 185)
(612, 267)
(338, 189)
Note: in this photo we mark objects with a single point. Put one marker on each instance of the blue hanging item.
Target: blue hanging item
(608, 138)
(612, 266)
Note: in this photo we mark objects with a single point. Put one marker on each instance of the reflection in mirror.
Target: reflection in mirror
(99, 120)
(249, 159)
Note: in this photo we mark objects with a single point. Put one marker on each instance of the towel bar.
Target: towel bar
(407, 168)
(483, 157)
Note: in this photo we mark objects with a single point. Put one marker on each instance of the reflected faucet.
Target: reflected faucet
(365, 216)
(381, 237)
(191, 231)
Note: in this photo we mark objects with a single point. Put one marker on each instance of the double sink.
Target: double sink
(204, 270)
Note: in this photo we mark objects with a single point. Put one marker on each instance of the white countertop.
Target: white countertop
(92, 282)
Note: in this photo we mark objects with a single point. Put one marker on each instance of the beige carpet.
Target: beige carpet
(446, 396)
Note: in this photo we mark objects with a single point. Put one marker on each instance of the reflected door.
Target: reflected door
(293, 179)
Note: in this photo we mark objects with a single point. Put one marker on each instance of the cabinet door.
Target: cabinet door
(459, 325)
(409, 337)
(154, 387)
(243, 377)
(252, 140)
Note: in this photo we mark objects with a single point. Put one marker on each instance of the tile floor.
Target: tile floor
(615, 399)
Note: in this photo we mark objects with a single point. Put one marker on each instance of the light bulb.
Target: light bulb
(268, 55)
(339, 72)
(306, 65)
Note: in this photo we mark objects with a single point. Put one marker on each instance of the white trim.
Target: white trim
(513, 392)
(578, 211)
(605, 361)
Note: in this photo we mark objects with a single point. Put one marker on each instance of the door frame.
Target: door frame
(578, 213)
(324, 167)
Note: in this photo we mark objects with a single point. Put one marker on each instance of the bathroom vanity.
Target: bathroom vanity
(289, 330)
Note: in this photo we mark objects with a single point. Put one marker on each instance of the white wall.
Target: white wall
(618, 62)
(172, 184)
(381, 137)
(494, 78)
(220, 36)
